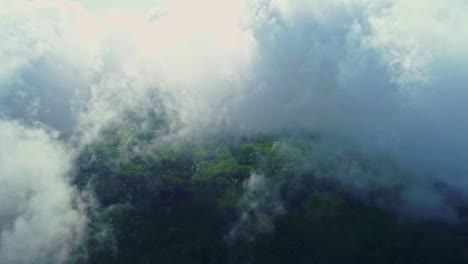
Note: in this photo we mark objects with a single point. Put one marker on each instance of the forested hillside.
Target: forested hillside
(243, 200)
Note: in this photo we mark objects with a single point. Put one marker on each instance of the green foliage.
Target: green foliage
(177, 203)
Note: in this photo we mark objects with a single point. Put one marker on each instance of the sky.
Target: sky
(135, 6)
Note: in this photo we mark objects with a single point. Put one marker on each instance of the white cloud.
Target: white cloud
(259, 205)
(40, 220)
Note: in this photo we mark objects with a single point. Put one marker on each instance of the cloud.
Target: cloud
(259, 205)
(362, 69)
(366, 71)
(119, 58)
(40, 218)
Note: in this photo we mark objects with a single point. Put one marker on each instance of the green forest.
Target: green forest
(196, 202)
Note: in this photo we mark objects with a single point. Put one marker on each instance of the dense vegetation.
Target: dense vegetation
(186, 203)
